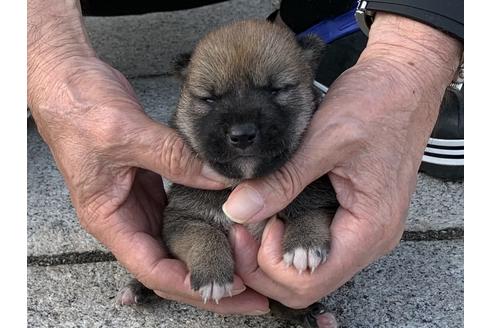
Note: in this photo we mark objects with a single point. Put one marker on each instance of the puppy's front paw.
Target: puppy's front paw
(305, 258)
(213, 284)
(215, 291)
(306, 240)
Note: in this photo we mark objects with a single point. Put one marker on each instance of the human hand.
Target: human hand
(107, 150)
(369, 135)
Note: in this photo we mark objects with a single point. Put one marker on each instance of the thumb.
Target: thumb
(257, 199)
(160, 149)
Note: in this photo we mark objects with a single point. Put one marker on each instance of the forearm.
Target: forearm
(55, 35)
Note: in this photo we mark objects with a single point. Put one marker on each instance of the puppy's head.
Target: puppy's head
(247, 97)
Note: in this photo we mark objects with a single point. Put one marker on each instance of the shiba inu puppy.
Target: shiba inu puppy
(246, 101)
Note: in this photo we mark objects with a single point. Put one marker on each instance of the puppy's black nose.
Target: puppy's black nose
(242, 135)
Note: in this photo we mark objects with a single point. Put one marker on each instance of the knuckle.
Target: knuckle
(175, 157)
(147, 278)
(109, 129)
(109, 124)
(352, 134)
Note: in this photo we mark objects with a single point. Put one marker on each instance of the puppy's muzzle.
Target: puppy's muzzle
(242, 135)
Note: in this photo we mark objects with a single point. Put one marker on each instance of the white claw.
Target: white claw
(288, 258)
(206, 292)
(215, 291)
(314, 259)
(302, 258)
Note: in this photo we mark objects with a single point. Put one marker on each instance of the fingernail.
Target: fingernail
(259, 312)
(238, 291)
(243, 205)
(211, 174)
(268, 226)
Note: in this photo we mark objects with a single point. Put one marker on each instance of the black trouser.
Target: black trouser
(298, 14)
(119, 8)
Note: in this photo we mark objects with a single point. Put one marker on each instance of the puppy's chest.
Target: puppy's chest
(206, 205)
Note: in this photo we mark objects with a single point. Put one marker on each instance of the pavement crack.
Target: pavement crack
(70, 258)
(430, 235)
(101, 256)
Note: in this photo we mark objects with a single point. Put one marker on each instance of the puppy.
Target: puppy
(245, 104)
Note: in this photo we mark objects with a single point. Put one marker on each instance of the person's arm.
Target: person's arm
(369, 136)
(106, 147)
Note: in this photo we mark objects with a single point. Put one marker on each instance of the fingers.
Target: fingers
(355, 244)
(248, 302)
(160, 149)
(245, 254)
(170, 279)
(255, 200)
(145, 258)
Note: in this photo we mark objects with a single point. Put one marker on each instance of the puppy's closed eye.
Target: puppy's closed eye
(209, 99)
(276, 89)
(206, 97)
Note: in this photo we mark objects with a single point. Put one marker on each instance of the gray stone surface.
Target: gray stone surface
(420, 284)
(146, 44)
(436, 204)
(53, 227)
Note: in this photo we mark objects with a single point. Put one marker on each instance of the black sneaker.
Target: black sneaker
(444, 154)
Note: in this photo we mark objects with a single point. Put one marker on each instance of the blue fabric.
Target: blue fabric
(334, 28)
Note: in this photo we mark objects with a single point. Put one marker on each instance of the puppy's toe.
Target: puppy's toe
(127, 296)
(317, 317)
(303, 258)
(134, 292)
(326, 320)
(215, 291)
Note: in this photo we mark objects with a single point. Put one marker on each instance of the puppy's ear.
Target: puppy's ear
(313, 48)
(181, 63)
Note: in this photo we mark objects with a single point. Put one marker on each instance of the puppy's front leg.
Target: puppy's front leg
(306, 238)
(206, 251)
(307, 220)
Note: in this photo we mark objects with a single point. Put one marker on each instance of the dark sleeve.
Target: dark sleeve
(444, 15)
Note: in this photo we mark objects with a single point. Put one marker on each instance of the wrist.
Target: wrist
(56, 39)
(426, 58)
